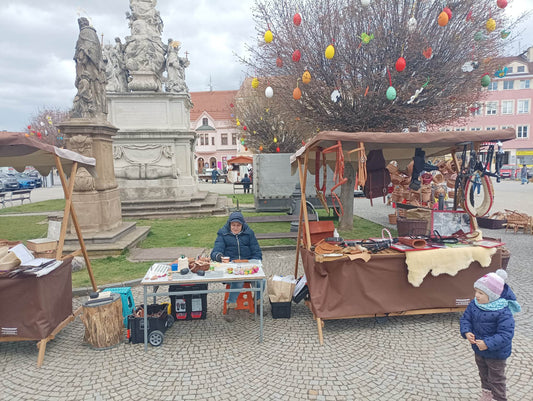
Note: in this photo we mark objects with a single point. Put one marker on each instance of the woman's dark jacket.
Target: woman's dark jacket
(241, 246)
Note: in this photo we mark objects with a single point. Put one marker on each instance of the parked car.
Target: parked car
(508, 171)
(25, 181)
(9, 182)
(37, 178)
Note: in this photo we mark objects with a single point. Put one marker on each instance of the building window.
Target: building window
(523, 106)
(491, 108)
(460, 129)
(224, 139)
(509, 70)
(234, 139)
(524, 84)
(491, 128)
(213, 140)
(493, 86)
(521, 131)
(205, 121)
(506, 126)
(508, 84)
(507, 106)
(521, 69)
(475, 129)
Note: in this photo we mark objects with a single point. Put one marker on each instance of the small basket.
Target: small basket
(407, 227)
(392, 219)
(492, 224)
(506, 255)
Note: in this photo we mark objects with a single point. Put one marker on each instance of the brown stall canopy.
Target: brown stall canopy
(18, 151)
(397, 146)
(241, 160)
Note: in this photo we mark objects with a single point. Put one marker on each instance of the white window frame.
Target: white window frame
(520, 109)
(490, 128)
(524, 84)
(224, 139)
(508, 84)
(507, 107)
(521, 68)
(205, 121)
(491, 108)
(520, 131)
(509, 70)
(507, 126)
(475, 128)
(493, 86)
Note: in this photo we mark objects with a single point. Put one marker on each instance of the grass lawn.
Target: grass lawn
(53, 205)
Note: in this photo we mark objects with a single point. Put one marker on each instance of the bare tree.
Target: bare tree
(441, 79)
(43, 125)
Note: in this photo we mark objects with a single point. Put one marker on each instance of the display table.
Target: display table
(344, 289)
(220, 277)
(36, 308)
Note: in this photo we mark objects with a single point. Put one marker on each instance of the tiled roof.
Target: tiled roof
(216, 103)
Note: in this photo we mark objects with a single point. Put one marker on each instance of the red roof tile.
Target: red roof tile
(216, 103)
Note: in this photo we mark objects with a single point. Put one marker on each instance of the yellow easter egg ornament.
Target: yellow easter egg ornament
(255, 83)
(491, 24)
(330, 52)
(268, 36)
(306, 77)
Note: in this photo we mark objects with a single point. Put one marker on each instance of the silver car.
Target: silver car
(9, 182)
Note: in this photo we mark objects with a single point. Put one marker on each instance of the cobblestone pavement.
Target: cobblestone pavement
(397, 358)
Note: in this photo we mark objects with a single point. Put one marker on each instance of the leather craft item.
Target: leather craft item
(413, 242)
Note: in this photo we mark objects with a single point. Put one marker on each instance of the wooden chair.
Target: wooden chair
(517, 221)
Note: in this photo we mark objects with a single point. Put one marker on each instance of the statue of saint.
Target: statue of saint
(175, 66)
(115, 67)
(90, 101)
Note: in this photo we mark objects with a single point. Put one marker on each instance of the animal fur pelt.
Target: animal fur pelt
(446, 260)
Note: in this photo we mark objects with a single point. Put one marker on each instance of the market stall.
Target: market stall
(384, 283)
(37, 307)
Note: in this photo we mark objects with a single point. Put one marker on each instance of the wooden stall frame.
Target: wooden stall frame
(68, 188)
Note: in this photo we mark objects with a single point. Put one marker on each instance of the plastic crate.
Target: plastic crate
(281, 310)
(136, 324)
(188, 306)
(128, 304)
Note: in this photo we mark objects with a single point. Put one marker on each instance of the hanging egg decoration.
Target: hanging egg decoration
(448, 12)
(365, 3)
(255, 83)
(297, 93)
(244, 127)
(297, 19)
(279, 62)
(27, 135)
(491, 24)
(428, 52)
(485, 80)
(246, 148)
(296, 56)
(330, 52)
(391, 93)
(335, 96)
(39, 135)
(269, 92)
(501, 3)
(504, 34)
(303, 142)
(29, 127)
(306, 77)
(479, 36)
(400, 64)
(411, 24)
(277, 149)
(268, 36)
(275, 140)
(366, 38)
(443, 19)
(260, 148)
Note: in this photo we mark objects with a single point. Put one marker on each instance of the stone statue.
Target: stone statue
(116, 73)
(175, 66)
(90, 101)
(144, 50)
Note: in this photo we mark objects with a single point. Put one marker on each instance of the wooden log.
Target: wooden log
(104, 324)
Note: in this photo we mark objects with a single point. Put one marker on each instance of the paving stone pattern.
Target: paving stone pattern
(411, 358)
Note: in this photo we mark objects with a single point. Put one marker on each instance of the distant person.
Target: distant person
(214, 176)
(246, 183)
(523, 174)
(488, 324)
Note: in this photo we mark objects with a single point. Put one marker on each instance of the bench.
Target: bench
(21, 195)
(237, 185)
(289, 218)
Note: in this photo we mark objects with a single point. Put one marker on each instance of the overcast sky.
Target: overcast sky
(37, 40)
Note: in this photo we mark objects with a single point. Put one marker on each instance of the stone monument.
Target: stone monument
(154, 149)
(88, 132)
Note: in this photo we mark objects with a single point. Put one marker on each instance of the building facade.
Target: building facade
(508, 105)
(217, 134)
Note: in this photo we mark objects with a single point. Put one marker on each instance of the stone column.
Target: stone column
(96, 199)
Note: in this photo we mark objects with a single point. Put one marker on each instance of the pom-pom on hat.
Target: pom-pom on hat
(492, 284)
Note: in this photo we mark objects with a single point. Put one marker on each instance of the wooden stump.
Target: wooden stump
(104, 324)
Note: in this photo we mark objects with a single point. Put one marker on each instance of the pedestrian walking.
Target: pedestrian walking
(488, 325)
(523, 174)
(214, 176)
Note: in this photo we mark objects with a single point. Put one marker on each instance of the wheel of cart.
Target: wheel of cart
(155, 338)
(169, 322)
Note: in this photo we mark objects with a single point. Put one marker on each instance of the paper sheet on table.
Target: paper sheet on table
(23, 253)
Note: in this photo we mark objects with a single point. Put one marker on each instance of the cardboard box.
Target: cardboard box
(41, 244)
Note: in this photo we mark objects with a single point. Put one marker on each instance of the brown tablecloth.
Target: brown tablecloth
(344, 288)
(32, 307)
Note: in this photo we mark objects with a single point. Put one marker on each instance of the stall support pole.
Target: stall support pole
(69, 211)
(303, 207)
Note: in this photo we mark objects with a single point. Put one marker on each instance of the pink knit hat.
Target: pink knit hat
(492, 284)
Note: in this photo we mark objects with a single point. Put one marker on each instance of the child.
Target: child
(488, 325)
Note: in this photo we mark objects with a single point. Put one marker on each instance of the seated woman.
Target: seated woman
(237, 241)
